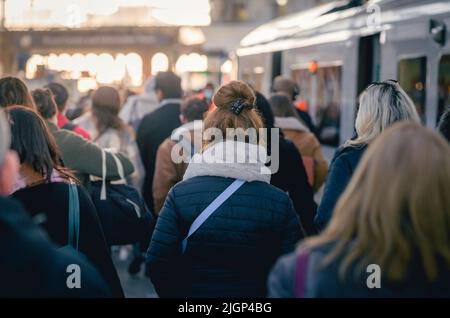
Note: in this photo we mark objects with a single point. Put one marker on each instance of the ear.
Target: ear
(8, 173)
(182, 120)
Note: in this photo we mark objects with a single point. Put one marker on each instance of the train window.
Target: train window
(320, 95)
(412, 77)
(444, 85)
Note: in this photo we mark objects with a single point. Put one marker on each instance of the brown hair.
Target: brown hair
(223, 116)
(106, 107)
(45, 103)
(281, 105)
(13, 91)
(35, 144)
(386, 218)
(193, 108)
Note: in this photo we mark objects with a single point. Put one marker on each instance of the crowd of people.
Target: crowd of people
(207, 213)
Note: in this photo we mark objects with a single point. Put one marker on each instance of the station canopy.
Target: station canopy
(48, 14)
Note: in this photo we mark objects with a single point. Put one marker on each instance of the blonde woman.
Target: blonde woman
(381, 105)
(394, 214)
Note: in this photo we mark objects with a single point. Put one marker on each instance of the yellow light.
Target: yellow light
(227, 67)
(85, 84)
(193, 62)
(134, 68)
(160, 63)
(32, 65)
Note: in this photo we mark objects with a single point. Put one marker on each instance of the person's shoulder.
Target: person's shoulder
(349, 152)
(207, 184)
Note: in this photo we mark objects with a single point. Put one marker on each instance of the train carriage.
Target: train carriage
(335, 50)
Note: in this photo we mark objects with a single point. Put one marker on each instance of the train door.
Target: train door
(369, 57)
(276, 64)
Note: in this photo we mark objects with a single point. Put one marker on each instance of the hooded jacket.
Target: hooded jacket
(307, 144)
(167, 171)
(231, 254)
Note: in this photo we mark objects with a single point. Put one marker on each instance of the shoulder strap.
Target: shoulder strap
(103, 191)
(74, 217)
(211, 208)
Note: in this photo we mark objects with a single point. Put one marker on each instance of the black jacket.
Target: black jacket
(342, 167)
(51, 201)
(153, 130)
(231, 254)
(291, 177)
(31, 266)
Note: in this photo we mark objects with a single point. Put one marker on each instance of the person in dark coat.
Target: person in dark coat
(291, 176)
(30, 265)
(156, 126)
(43, 187)
(233, 250)
(381, 105)
(381, 240)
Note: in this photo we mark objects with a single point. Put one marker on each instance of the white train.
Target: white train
(336, 50)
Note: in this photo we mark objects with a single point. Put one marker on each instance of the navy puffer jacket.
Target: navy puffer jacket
(342, 167)
(231, 254)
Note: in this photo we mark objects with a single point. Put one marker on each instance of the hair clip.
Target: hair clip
(237, 107)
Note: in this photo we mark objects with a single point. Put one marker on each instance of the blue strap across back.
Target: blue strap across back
(211, 208)
(74, 217)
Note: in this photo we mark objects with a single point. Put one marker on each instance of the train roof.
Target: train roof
(337, 21)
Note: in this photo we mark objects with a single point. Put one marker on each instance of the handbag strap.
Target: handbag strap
(74, 216)
(210, 209)
(103, 191)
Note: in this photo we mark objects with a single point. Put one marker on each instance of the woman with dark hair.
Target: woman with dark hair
(291, 175)
(110, 132)
(13, 91)
(43, 188)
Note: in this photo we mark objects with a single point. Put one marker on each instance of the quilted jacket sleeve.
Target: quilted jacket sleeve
(164, 253)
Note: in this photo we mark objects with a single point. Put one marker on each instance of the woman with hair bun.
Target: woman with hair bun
(222, 227)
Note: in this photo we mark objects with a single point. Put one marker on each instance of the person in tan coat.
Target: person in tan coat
(305, 141)
(175, 152)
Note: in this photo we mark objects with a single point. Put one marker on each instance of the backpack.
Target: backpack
(124, 216)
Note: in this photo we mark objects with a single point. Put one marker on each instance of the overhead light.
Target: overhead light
(191, 36)
(282, 3)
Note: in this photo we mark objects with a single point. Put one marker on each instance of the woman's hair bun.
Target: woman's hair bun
(235, 96)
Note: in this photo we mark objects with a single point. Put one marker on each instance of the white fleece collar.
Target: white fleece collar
(290, 123)
(230, 159)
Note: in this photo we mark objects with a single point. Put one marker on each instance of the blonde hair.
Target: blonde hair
(381, 105)
(223, 117)
(396, 206)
